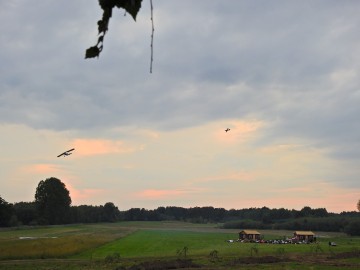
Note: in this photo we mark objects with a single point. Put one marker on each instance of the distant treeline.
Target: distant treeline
(27, 213)
(255, 218)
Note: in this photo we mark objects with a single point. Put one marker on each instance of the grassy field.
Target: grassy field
(56, 241)
(152, 245)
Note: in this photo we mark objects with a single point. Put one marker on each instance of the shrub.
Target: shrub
(353, 228)
(115, 257)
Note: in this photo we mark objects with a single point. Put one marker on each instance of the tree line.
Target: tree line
(52, 205)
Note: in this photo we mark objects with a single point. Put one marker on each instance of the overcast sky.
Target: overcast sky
(284, 76)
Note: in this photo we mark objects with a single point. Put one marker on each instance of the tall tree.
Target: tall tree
(358, 205)
(53, 201)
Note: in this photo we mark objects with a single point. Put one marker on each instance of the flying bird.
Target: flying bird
(226, 130)
(66, 153)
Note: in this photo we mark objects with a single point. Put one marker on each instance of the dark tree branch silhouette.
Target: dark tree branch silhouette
(130, 6)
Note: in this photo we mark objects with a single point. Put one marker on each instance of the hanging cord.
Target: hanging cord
(152, 36)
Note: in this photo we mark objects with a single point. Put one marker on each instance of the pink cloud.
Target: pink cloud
(160, 193)
(80, 196)
(331, 202)
(235, 176)
(294, 190)
(315, 195)
(282, 147)
(42, 169)
(87, 147)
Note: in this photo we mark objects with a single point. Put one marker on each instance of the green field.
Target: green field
(166, 244)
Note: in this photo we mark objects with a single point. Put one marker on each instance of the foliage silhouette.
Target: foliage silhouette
(53, 201)
(5, 213)
(130, 6)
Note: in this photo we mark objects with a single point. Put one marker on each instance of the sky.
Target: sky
(284, 76)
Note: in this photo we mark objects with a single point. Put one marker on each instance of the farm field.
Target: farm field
(166, 245)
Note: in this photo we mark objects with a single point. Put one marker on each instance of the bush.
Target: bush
(246, 223)
(353, 228)
(115, 257)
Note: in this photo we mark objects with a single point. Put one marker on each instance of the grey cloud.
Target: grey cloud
(212, 60)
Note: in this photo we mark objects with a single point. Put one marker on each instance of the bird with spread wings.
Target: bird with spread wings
(66, 153)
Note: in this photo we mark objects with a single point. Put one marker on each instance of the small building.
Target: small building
(306, 236)
(249, 235)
